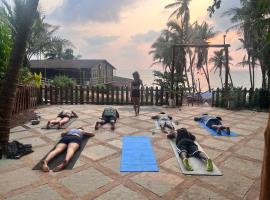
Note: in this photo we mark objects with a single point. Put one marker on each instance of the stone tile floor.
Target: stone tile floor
(96, 174)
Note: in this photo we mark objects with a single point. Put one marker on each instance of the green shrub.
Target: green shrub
(63, 81)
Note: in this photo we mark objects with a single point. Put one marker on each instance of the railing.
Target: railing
(239, 98)
(108, 95)
(26, 97)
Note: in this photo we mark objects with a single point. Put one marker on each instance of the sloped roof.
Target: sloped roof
(64, 64)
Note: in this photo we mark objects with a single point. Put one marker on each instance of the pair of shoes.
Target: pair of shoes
(209, 165)
(186, 164)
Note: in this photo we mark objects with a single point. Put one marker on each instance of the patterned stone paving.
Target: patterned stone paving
(96, 174)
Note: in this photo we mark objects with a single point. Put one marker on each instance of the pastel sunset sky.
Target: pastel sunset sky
(122, 31)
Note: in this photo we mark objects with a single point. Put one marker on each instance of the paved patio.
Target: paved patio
(96, 174)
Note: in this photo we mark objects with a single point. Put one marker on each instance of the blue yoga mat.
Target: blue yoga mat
(214, 133)
(138, 155)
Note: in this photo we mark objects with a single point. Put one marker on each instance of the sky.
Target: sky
(122, 31)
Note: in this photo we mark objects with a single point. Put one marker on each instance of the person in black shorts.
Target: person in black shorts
(186, 147)
(136, 84)
(213, 123)
(70, 140)
(109, 115)
(62, 118)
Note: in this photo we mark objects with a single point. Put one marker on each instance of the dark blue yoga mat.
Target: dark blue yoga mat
(214, 133)
(138, 155)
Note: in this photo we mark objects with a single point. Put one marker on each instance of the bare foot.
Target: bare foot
(45, 167)
(60, 167)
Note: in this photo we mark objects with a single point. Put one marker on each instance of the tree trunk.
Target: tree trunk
(250, 74)
(253, 72)
(185, 66)
(207, 79)
(208, 76)
(230, 78)
(265, 174)
(191, 60)
(9, 86)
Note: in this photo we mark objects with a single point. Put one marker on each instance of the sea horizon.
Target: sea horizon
(240, 78)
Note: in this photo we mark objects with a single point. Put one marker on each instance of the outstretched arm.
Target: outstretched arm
(155, 117)
(89, 134)
(74, 114)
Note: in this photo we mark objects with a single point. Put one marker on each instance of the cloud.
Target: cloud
(101, 40)
(89, 10)
(147, 37)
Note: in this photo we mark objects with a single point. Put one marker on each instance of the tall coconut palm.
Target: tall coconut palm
(254, 26)
(219, 62)
(181, 11)
(26, 11)
(202, 33)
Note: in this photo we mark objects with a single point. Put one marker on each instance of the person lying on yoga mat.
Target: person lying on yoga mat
(109, 115)
(186, 147)
(70, 141)
(62, 118)
(164, 121)
(213, 123)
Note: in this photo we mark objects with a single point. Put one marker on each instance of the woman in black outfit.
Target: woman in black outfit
(135, 92)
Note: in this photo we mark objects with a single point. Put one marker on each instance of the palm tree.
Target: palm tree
(219, 61)
(202, 33)
(26, 11)
(253, 24)
(181, 11)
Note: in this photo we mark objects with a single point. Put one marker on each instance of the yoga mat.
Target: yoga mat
(60, 158)
(71, 120)
(198, 166)
(214, 133)
(138, 155)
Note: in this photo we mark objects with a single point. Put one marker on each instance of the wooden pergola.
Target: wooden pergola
(223, 46)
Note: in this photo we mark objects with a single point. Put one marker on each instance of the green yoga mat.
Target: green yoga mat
(60, 158)
(198, 166)
(71, 120)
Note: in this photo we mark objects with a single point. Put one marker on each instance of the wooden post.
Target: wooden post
(156, 95)
(97, 93)
(71, 95)
(226, 92)
(142, 95)
(81, 94)
(112, 95)
(87, 94)
(55, 95)
(107, 96)
(92, 95)
(244, 97)
(176, 96)
(102, 95)
(146, 95)
(46, 94)
(152, 96)
(61, 95)
(51, 95)
(161, 96)
(117, 95)
(213, 98)
(66, 95)
(172, 73)
(76, 94)
(217, 97)
(122, 95)
(127, 96)
(166, 97)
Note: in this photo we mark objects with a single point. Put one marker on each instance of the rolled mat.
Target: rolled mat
(214, 132)
(138, 155)
(71, 120)
(198, 166)
(61, 157)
